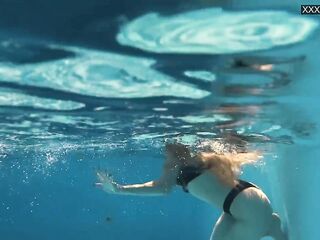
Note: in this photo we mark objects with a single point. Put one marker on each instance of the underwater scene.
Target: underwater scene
(108, 106)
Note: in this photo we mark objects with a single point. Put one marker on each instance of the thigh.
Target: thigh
(221, 230)
(245, 231)
(228, 228)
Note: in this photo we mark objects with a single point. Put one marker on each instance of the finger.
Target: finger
(101, 176)
(98, 185)
(107, 174)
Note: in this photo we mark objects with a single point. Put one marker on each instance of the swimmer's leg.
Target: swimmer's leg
(222, 228)
(276, 231)
(229, 228)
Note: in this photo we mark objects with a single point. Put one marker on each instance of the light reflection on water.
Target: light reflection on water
(99, 74)
(215, 31)
(63, 100)
(57, 95)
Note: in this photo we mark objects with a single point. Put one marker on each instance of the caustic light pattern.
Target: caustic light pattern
(9, 98)
(214, 31)
(100, 74)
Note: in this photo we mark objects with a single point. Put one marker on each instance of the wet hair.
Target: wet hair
(227, 166)
(222, 159)
(181, 155)
(178, 149)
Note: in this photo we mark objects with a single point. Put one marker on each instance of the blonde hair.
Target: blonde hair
(227, 166)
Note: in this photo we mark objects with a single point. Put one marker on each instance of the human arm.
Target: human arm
(152, 188)
(176, 154)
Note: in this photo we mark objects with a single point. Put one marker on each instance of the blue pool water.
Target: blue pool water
(102, 84)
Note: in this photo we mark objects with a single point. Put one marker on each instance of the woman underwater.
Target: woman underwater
(211, 177)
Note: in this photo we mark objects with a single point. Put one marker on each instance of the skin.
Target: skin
(252, 215)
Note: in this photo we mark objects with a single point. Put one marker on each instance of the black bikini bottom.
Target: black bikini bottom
(242, 185)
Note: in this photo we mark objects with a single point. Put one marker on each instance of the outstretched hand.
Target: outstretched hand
(106, 182)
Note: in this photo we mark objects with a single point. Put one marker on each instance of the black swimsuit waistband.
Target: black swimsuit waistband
(242, 185)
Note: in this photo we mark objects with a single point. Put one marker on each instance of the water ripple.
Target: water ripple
(9, 98)
(100, 74)
(215, 31)
(201, 75)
